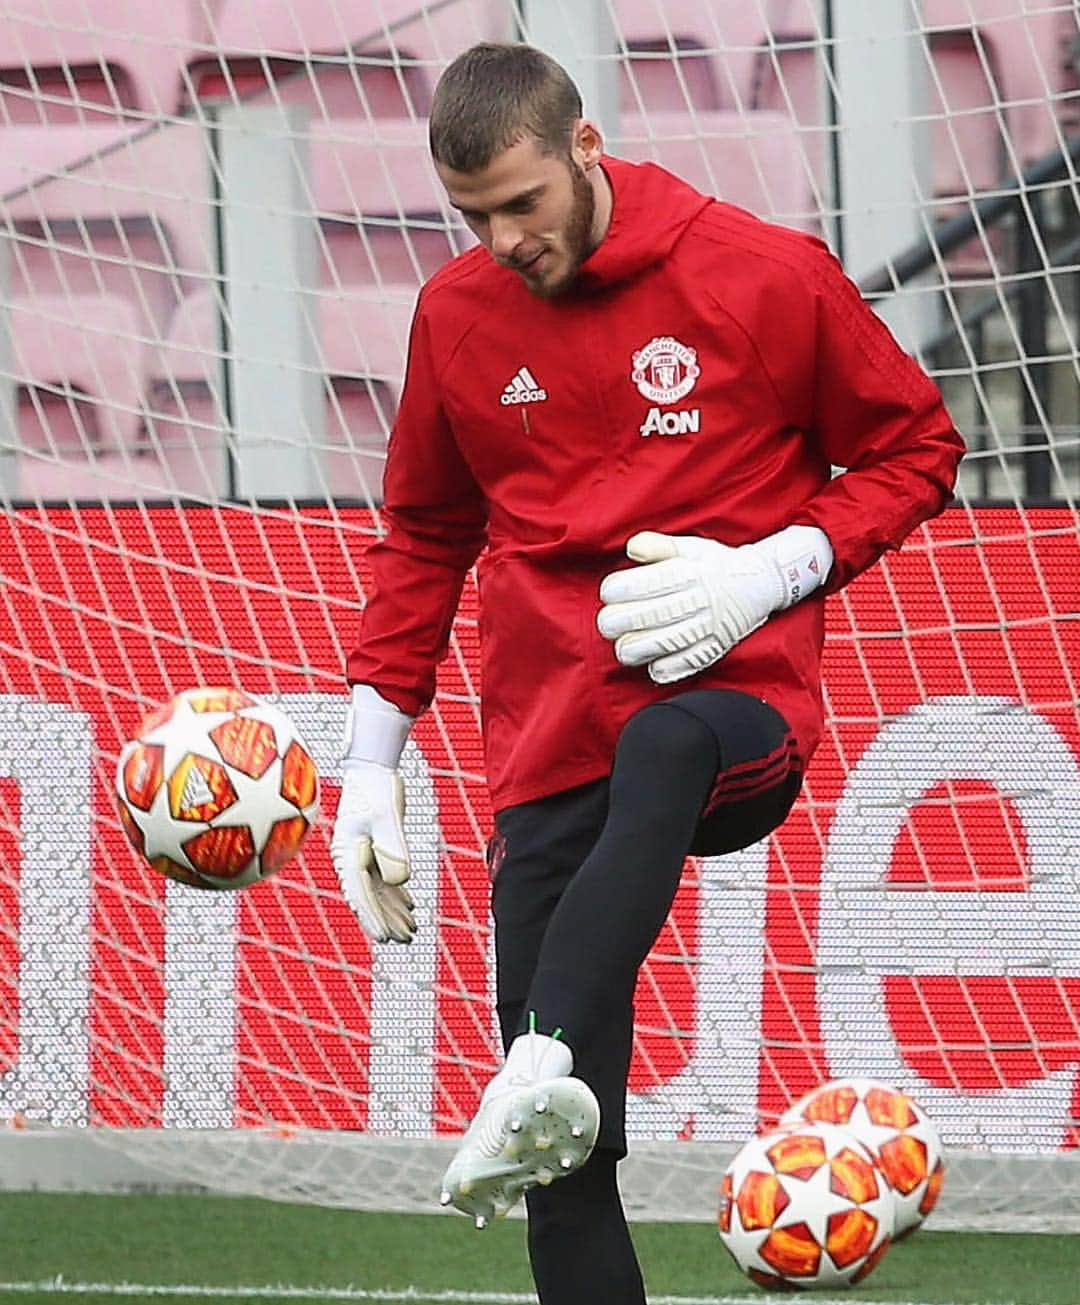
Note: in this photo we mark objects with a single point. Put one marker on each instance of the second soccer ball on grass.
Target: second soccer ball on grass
(894, 1127)
(805, 1206)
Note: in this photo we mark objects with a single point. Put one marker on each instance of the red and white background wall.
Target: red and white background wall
(916, 919)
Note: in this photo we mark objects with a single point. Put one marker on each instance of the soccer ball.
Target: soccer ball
(805, 1206)
(217, 789)
(901, 1135)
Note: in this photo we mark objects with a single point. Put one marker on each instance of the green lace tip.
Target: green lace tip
(555, 1033)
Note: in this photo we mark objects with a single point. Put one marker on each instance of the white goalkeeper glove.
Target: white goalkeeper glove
(368, 843)
(694, 599)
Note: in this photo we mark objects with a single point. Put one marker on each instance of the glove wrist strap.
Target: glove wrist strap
(375, 730)
(803, 558)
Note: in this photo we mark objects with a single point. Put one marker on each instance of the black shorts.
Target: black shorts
(538, 846)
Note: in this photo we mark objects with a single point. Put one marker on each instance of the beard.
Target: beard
(576, 237)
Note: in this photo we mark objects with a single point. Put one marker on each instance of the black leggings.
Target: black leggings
(587, 876)
(579, 1243)
(584, 883)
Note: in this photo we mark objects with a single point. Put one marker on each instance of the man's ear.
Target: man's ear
(587, 146)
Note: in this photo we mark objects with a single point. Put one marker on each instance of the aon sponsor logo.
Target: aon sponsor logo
(659, 422)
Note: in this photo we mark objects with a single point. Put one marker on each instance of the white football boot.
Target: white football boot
(536, 1123)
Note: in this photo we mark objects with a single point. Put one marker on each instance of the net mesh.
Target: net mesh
(216, 220)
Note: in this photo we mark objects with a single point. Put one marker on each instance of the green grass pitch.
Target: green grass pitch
(102, 1250)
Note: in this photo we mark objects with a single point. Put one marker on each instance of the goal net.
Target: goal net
(217, 215)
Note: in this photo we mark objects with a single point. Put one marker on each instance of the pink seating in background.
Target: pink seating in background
(301, 52)
(388, 252)
(108, 181)
(358, 167)
(184, 428)
(712, 45)
(787, 75)
(121, 55)
(103, 209)
(63, 455)
(969, 147)
(127, 258)
(720, 59)
(32, 154)
(109, 176)
(60, 454)
(358, 415)
(106, 235)
(966, 149)
(430, 34)
(115, 474)
(1026, 43)
(993, 88)
(363, 338)
(381, 175)
(327, 84)
(654, 75)
(88, 347)
(109, 227)
(754, 160)
(365, 333)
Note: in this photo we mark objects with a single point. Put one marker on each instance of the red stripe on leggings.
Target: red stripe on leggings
(749, 778)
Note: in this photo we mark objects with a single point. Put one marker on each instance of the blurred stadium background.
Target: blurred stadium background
(216, 216)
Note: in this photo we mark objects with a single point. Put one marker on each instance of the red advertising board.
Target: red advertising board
(917, 917)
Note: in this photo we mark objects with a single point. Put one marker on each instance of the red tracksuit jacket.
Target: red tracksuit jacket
(700, 377)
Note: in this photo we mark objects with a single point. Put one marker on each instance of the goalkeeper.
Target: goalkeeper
(627, 403)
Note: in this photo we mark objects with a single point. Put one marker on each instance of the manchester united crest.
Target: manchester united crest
(665, 370)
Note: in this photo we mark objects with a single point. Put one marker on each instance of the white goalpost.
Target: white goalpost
(216, 218)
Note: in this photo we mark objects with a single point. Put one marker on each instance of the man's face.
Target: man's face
(533, 212)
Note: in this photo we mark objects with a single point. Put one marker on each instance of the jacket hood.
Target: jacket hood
(651, 210)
